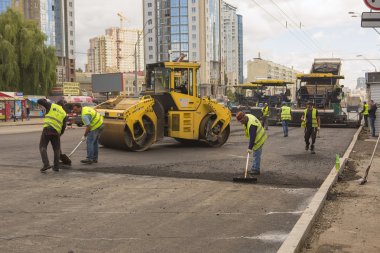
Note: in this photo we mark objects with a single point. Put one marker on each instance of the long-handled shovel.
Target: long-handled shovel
(364, 179)
(245, 179)
(66, 158)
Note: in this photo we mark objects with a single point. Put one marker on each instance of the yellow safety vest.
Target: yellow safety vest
(286, 113)
(96, 118)
(261, 136)
(55, 118)
(265, 111)
(314, 122)
(365, 109)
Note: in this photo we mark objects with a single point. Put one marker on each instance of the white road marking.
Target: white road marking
(289, 212)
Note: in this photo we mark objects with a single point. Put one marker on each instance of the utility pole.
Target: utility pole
(136, 44)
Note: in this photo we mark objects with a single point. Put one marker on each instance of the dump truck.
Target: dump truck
(170, 107)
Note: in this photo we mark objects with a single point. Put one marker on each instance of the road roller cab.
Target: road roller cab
(170, 106)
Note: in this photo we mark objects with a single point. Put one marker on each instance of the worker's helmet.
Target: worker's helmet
(240, 115)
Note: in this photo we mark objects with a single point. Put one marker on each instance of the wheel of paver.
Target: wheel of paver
(213, 140)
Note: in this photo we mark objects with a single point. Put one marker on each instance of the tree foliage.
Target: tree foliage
(26, 63)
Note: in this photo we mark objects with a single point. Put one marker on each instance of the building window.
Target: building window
(194, 27)
(149, 5)
(72, 42)
(150, 48)
(193, 10)
(150, 30)
(70, 4)
(194, 55)
(193, 18)
(194, 36)
(71, 23)
(71, 33)
(193, 1)
(149, 13)
(150, 21)
(70, 13)
(150, 57)
(150, 39)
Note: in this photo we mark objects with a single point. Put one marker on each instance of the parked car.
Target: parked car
(72, 117)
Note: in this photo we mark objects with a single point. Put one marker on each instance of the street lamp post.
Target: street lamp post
(359, 55)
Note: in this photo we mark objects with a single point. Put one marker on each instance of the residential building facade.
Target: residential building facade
(240, 47)
(115, 51)
(190, 27)
(230, 56)
(258, 68)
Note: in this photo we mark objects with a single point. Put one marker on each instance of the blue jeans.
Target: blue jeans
(257, 159)
(372, 124)
(93, 143)
(285, 127)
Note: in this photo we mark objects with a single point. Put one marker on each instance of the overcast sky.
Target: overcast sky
(327, 30)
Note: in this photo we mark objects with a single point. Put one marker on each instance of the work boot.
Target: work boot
(312, 149)
(56, 168)
(307, 147)
(254, 173)
(87, 161)
(45, 168)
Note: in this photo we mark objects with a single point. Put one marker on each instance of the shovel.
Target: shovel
(66, 158)
(245, 179)
(364, 179)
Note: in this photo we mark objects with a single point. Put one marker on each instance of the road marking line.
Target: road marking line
(290, 212)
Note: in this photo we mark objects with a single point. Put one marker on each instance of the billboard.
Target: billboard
(107, 82)
(71, 88)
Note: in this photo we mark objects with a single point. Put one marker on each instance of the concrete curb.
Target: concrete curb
(300, 231)
(7, 124)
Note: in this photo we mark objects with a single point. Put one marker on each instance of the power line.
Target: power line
(284, 25)
(296, 25)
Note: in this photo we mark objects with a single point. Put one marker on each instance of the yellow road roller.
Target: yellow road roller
(170, 106)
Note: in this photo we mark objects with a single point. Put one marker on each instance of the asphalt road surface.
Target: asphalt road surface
(171, 198)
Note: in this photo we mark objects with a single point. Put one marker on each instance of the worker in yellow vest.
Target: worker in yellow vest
(256, 135)
(286, 116)
(365, 113)
(265, 115)
(54, 126)
(94, 126)
(311, 122)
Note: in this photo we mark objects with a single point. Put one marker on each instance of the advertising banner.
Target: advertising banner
(71, 88)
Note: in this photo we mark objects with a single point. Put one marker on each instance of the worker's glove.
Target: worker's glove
(83, 138)
(249, 151)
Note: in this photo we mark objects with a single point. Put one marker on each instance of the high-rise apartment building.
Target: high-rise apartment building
(190, 27)
(240, 47)
(230, 56)
(57, 20)
(115, 51)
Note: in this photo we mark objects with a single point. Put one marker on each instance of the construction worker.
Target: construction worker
(372, 117)
(311, 123)
(256, 135)
(94, 126)
(365, 113)
(54, 126)
(265, 115)
(286, 116)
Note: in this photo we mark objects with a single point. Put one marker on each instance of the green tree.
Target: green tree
(231, 95)
(26, 63)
